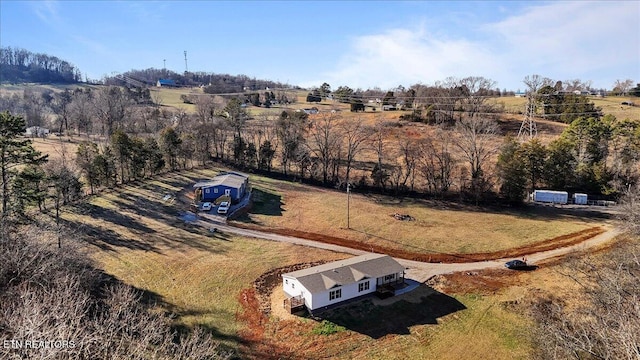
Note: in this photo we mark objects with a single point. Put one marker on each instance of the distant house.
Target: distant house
(233, 184)
(338, 281)
(166, 83)
(311, 111)
(36, 131)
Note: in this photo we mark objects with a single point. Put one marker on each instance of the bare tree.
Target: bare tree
(325, 142)
(377, 143)
(629, 214)
(82, 112)
(475, 91)
(355, 135)
(622, 86)
(58, 297)
(536, 82)
(205, 109)
(606, 325)
(112, 107)
(476, 142)
(35, 108)
(436, 162)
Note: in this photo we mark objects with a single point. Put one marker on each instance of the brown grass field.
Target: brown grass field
(438, 227)
(207, 279)
(204, 279)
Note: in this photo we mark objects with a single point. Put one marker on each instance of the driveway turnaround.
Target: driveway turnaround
(416, 270)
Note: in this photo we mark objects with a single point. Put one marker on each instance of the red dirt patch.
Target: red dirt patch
(557, 242)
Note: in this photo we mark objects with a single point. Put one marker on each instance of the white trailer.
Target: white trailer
(550, 196)
(580, 199)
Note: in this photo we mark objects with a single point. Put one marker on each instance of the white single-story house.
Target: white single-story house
(342, 280)
(233, 184)
(36, 131)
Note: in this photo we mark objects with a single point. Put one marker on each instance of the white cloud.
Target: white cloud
(405, 57)
(597, 41)
(573, 38)
(47, 11)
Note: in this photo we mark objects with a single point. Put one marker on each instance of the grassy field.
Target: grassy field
(610, 105)
(137, 237)
(437, 226)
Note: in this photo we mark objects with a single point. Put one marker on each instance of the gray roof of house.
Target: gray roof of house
(342, 272)
(231, 179)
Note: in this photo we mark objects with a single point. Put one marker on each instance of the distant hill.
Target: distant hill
(212, 83)
(23, 66)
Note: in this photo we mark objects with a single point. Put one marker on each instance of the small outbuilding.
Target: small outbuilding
(232, 184)
(580, 199)
(36, 131)
(335, 282)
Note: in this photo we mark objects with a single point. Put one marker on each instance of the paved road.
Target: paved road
(416, 270)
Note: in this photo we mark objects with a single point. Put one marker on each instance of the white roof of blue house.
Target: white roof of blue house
(230, 179)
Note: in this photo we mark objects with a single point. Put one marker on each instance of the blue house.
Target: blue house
(233, 184)
(166, 82)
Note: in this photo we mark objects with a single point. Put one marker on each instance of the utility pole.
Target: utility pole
(164, 67)
(348, 192)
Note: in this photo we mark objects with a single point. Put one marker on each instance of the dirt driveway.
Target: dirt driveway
(416, 270)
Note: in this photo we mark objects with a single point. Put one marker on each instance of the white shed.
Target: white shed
(36, 131)
(580, 199)
(550, 196)
(338, 281)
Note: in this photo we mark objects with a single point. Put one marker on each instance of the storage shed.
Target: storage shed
(580, 199)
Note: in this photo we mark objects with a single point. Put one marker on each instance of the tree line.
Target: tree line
(212, 83)
(19, 65)
(459, 156)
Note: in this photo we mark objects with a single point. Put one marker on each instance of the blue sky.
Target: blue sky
(360, 44)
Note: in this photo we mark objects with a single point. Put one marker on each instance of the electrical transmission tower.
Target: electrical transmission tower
(186, 68)
(529, 123)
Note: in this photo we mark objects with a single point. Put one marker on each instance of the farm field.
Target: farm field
(197, 276)
(513, 105)
(610, 105)
(436, 226)
(203, 279)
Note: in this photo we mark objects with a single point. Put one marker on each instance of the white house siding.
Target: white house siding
(292, 287)
(349, 291)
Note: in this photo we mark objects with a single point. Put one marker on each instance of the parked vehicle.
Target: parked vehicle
(516, 264)
(206, 206)
(224, 207)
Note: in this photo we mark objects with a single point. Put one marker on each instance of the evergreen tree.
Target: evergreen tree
(170, 144)
(14, 153)
(266, 155)
(86, 160)
(512, 172)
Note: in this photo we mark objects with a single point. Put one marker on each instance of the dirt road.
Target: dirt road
(416, 270)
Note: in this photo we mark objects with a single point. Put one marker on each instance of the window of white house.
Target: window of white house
(335, 294)
(286, 281)
(363, 286)
(293, 285)
(390, 277)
